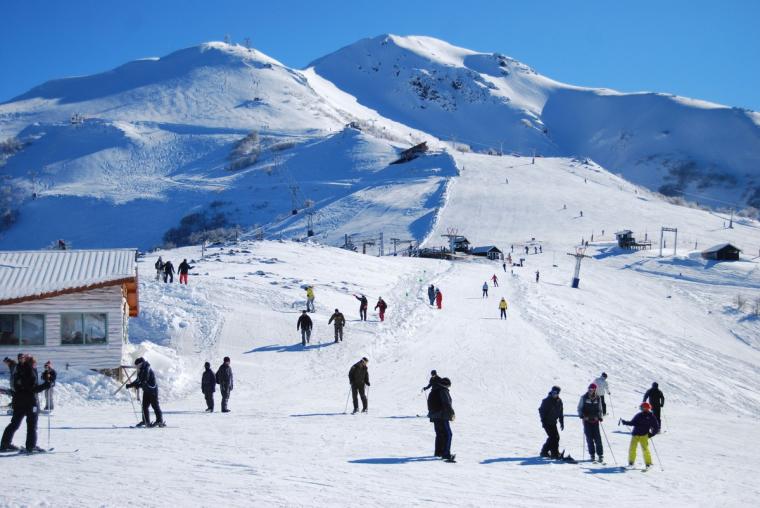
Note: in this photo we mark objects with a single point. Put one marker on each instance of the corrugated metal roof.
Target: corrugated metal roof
(26, 274)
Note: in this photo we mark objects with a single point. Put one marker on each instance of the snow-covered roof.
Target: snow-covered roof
(716, 248)
(485, 248)
(623, 232)
(31, 275)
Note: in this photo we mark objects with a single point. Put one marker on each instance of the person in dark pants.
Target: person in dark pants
(433, 380)
(441, 413)
(358, 376)
(49, 375)
(305, 325)
(224, 380)
(25, 389)
(431, 294)
(208, 386)
(590, 411)
(146, 380)
(168, 272)
(550, 411)
(183, 269)
(363, 304)
(381, 305)
(657, 400)
(340, 322)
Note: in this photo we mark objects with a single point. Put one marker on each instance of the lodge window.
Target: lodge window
(22, 329)
(83, 329)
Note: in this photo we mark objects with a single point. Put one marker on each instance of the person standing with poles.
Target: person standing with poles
(363, 304)
(304, 324)
(603, 388)
(381, 306)
(49, 375)
(502, 309)
(645, 426)
(146, 380)
(208, 386)
(225, 381)
(657, 400)
(485, 290)
(358, 377)
(25, 388)
(339, 321)
(551, 411)
(433, 380)
(441, 413)
(495, 280)
(590, 412)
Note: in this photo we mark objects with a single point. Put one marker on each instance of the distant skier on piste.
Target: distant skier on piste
(657, 400)
(146, 380)
(495, 280)
(503, 309)
(358, 377)
(431, 294)
(441, 413)
(485, 290)
(310, 299)
(551, 411)
(363, 304)
(433, 379)
(381, 306)
(644, 425)
(590, 412)
(602, 388)
(305, 325)
(339, 321)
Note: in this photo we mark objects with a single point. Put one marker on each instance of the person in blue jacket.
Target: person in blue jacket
(644, 425)
(146, 380)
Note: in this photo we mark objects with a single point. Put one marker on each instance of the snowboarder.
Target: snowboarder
(431, 294)
(644, 425)
(602, 388)
(183, 268)
(495, 280)
(537, 275)
(363, 304)
(550, 411)
(310, 299)
(208, 386)
(503, 309)
(305, 325)
(438, 298)
(381, 306)
(168, 272)
(441, 413)
(49, 375)
(339, 321)
(485, 290)
(146, 380)
(590, 411)
(25, 388)
(358, 377)
(159, 267)
(657, 400)
(433, 379)
(225, 381)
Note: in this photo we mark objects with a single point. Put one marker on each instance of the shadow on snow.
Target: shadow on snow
(395, 460)
(292, 348)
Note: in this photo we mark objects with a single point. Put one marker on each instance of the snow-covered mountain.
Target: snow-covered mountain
(218, 135)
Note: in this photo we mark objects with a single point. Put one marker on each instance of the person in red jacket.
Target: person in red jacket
(381, 305)
(438, 297)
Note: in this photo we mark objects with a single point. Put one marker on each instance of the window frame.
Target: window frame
(20, 321)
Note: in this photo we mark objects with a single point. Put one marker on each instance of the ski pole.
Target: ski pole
(134, 410)
(345, 410)
(48, 444)
(608, 443)
(651, 440)
(662, 413)
(611, 406)
(583, 449)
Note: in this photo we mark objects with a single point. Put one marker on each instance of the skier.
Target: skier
(208, 386)
(657, 400)
(581, 213)
(503, 309)
(305, 325)
(537, 275)
(509, 259)
(381, 306)
(504, 266)
(438, 298)
(550, 411)
(225, 381)
(602, 388)
(526, 249)
(441, 413)
(540, 249)
(495, 280)
(310, 299)
(485, 290)
(25, 388)
(535, 249)
(49, 375)
(146, 380)
(340, 321)
(431, 294)
(644, 425)
(159, 267)
(168, 272)
(590, 411)
(358, 377)
(433, 379)
(183, 268)
(363, 304)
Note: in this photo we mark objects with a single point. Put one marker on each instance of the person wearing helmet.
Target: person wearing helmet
(644, 426)
(590, 411)
(550, 411)
(602, 389)
(657, 399)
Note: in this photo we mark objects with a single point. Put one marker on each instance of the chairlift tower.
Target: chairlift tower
(663, 230)
(451, 234)
(294, 198)
(580, 253)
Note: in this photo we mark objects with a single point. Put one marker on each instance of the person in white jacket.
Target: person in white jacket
(602, 389)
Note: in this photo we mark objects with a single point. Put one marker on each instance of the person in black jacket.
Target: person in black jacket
(168, 272)
(550, 411)
(49, 375)
(433, 380)
(657, 400)
(208, 386)
(363, 304)
(25, 389)
(182, 269)
(590, 411)
(159, 267)
(146, 380)
(358, 376)
(441, 413)
(305, 325)
(224, 380)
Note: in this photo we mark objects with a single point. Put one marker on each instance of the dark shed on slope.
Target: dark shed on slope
(722, 252)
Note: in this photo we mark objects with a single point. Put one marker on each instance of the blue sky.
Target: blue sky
(697, 48)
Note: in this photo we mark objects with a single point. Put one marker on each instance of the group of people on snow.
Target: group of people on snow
(165, 269)
(435, 296)
(223, 377)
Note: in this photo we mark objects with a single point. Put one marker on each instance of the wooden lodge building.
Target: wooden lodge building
(722, 252)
